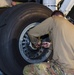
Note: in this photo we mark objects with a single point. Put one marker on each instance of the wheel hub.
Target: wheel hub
(29, 53)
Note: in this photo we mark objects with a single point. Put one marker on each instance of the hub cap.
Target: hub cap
(28, 53)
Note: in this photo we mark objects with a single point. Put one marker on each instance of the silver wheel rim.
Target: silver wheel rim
(27, 52)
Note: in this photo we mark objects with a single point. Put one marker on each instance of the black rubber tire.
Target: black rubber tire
(12, 62)
(5, 15)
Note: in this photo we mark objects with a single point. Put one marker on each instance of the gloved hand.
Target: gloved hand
(46, 44)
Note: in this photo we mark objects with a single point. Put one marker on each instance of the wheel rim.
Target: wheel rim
(27, 51)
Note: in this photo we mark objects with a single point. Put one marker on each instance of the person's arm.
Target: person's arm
(13, 3)
(40, 30)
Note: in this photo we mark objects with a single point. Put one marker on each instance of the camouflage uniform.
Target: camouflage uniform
(43, 69)
(61, 33)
